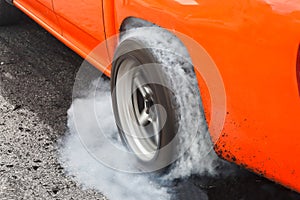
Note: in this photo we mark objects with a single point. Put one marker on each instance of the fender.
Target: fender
(259, 73)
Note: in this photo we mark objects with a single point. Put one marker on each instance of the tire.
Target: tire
(153, 81)
(8, 13)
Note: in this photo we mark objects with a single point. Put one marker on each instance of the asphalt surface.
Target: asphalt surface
(37, 73)
(36, 77)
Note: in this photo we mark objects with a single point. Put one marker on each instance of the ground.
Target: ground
(37, 73)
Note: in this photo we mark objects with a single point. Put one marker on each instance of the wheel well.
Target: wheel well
(133, 22)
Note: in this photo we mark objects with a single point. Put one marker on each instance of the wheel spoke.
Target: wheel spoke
(140, 86)
(144, 117)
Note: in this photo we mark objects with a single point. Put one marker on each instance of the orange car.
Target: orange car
(253, 44)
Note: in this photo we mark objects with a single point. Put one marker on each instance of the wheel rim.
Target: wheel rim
(138, 115)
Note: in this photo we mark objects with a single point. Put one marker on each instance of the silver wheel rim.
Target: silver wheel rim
(138, 115)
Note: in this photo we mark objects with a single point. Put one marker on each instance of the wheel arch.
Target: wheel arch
(134, 22)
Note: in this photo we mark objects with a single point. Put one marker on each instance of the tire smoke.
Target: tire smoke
(90, 172)
(92, 152)
(77, 154)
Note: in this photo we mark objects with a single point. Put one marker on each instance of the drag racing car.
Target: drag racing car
(245, 68)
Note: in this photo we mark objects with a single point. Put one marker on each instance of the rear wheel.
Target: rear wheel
(137, 86)
(8, 13)
(155, 96)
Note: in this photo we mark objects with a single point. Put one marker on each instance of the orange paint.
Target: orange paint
(254, 44)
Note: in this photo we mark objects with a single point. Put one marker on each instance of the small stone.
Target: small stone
(17, 107)
(55, 190)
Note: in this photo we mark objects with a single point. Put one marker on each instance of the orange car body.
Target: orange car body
(254, 44)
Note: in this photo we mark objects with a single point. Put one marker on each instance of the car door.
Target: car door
(42, 10)
(81, 22)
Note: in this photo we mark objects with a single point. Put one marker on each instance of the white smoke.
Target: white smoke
(81, 155)
(93, 153)
(77, 152)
